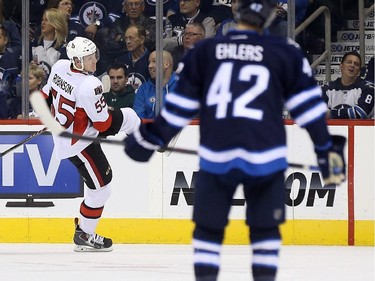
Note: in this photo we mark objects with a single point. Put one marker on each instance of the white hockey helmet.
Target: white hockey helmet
(80, 47)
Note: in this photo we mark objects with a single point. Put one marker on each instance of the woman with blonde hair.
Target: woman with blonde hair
(50, 46)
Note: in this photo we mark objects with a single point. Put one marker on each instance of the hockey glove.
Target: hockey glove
(332, 163)
(141, 144)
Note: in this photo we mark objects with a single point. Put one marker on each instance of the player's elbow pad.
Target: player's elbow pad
(131, 121)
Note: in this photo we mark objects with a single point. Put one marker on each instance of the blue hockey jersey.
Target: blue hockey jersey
(239, 85)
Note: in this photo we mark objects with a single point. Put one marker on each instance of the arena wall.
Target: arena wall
(152, 202)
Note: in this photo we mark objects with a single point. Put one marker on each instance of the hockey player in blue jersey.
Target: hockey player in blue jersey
(238, 84)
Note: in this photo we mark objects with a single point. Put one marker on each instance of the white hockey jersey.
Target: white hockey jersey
(78, 105)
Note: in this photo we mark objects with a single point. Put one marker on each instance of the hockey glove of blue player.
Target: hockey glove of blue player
(332, 163)
(141, 144)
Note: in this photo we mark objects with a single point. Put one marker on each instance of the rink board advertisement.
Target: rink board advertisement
(31, 171)
(157, 197)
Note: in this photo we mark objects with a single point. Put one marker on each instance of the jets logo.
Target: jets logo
(90, 12)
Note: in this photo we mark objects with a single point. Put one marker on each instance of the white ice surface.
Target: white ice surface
(134, 262)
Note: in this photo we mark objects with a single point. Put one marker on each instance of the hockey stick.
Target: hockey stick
(23, 142)
(106, 81)
(40, 106)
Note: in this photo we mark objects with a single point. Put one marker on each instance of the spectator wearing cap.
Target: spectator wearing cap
(121, 94)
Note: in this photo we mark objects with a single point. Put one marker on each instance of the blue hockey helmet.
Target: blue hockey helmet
(259, 13)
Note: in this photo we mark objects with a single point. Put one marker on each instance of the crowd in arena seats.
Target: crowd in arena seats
(123, 30)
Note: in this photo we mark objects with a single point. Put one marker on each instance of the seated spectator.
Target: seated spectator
(193, 33)
(145, 99)
(9, 69)
(227, 24)
(36, 80)
(121, 94)
(175, 24)
(170, 7)
(14, 37)
(350, 97)
(370, 70)
(136, 59)
(279, 25)
(219, 10)
(66, 8)
(94, 15)
(133, 15)
(50, 46)
(14, 13)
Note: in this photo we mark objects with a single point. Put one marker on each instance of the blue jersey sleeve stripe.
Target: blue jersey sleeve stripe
(360, 112)
(174, 120)
(248, 156)
(311, 114)
(182, 102)
(302, 97)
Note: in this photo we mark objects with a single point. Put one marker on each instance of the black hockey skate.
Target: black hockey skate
(90, 242)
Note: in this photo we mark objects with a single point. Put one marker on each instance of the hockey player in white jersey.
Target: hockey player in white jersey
(77, 103)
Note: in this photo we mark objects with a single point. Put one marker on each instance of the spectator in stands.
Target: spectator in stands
(14, 37)
(280, 24)
(219, 10)
(227, 24)
(13, 12)
(133, 14)
(370, 70)
(350, 97)
(145, 99)
(193, 33)
(136, 59)
(94, 15)
(66, 8)
(121, 94)
(170, 7)
(50, 46)
(175, 24)
(9, 70)
(36, 80)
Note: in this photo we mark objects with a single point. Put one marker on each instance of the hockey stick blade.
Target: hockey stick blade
(40, 106)
(106, 81)
(23, 142)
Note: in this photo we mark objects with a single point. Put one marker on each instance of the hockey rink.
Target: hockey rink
(134, 262)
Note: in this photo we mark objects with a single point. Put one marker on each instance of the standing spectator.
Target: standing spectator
(194, 32)
(145, 99)
(121, 94)
(14, 37)
(175, 24)
(240, 97)
(136, 59)
(78, 105)
(66, 8)
(10, 66)
(350, 96)
(50, 46)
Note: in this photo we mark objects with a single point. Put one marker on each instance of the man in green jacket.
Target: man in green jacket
(121, 94)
